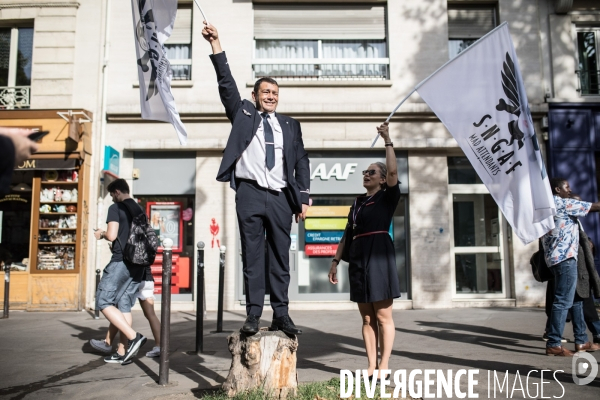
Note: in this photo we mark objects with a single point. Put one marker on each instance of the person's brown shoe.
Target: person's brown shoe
(559, 351)
(587, 347)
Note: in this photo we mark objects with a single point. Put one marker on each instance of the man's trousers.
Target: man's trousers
(265, 218)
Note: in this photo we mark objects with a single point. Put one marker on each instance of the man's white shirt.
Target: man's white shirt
(251, 164)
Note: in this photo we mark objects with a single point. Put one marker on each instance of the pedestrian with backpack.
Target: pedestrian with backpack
(134, 246)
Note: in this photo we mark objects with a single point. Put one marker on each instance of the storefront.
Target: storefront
(336, 180)
(165, 189)
(44, 219)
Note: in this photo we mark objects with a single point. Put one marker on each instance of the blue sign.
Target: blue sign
(111, 160)
(323, 236)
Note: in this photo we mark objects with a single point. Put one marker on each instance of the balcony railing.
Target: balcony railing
(589, 82)
(14, 97)
(377, 69)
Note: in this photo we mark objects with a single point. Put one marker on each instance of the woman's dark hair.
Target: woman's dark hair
(120, 185)
(261, 80)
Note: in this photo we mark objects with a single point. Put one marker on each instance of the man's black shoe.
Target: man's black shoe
(286, 325)
(133, 347)
(251, 324)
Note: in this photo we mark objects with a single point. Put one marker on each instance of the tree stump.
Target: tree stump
(266, 360)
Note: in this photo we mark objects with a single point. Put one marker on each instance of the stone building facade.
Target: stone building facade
(342, 67)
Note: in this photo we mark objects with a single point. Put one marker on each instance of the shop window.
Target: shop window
(466, 24)
(319, 237)
(179, 45)
(16, 50)
(588, 43)
(15, 222)
(173, 217)
(342, 42)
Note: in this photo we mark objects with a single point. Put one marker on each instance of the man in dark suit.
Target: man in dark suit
(266, 164)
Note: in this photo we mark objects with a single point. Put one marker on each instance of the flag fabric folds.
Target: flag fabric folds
(152, 25)
(480, 97)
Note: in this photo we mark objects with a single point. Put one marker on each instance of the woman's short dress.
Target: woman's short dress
(372, 272)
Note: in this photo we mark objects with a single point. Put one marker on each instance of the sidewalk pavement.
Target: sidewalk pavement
(47, 355)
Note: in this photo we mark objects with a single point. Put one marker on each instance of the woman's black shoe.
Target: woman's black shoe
(251, 325)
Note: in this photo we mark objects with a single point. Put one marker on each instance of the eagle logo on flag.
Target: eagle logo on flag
(509, 84)
(146, 22)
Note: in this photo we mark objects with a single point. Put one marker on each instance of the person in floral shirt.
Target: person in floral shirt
(561, 246)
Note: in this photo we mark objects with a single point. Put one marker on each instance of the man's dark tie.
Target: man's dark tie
(269, 142)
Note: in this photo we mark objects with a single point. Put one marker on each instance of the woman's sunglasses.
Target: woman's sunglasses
(370, 172)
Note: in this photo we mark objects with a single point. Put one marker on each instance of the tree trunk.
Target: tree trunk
(266, 360)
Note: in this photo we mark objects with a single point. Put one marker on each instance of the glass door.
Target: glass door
(477, 245)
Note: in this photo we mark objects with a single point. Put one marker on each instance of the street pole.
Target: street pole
(221, 289)
(97, 311)
(6, 289)
(200, 300)
(165, 313)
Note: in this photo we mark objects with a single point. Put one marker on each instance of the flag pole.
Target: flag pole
(202, 12)
(462, 53)
(393, 112)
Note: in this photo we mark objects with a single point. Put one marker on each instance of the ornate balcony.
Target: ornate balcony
(16, 97)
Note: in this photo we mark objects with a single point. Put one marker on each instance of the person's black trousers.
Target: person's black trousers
(261, 211)
(590, 315)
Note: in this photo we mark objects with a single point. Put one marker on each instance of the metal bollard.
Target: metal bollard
(221, 289)
(165, 312)
(97, 311)
(200, 300)
(6, 289)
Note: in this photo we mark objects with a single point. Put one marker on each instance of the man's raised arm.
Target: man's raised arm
(230, 96)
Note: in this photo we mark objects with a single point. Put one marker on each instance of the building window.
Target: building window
(588, 41)
(320, 42)
(466, 24)
(16, 49)
(460, 171)
(179, 45)
(477, 251)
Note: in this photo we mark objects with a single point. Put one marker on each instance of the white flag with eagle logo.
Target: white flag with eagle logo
(480, 97)
(152, 25)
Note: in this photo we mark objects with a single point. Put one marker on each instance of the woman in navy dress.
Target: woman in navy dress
(372, 272)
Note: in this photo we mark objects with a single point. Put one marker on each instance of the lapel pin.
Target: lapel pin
(246, 112)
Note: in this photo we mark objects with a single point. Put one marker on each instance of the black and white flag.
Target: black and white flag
(480, 97)
(153, 22)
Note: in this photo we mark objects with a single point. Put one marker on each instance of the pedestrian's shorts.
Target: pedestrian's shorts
(117, 287)
(146, 290)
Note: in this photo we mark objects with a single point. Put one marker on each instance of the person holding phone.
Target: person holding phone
(372, 271)
(15, 147)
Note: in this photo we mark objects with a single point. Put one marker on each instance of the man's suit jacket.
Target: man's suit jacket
(245, 120)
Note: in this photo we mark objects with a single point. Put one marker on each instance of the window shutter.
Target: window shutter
(319, 22)
(470, 23)
(182, 30)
